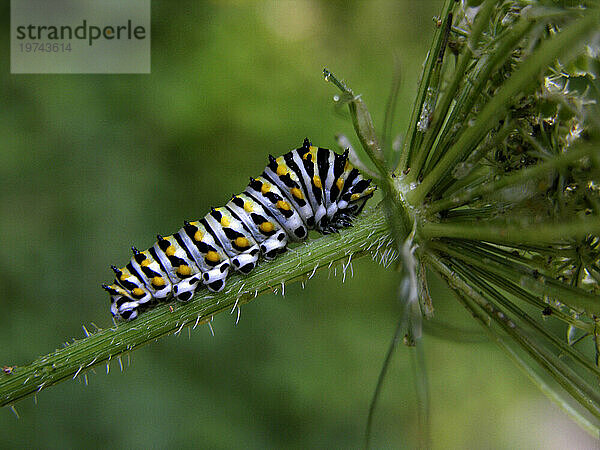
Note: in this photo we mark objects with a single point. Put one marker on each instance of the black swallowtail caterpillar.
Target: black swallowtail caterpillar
(307, 188)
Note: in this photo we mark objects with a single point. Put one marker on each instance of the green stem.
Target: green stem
(484, 251)
(395, 208)
(555, 365)
(476, 277)
(363, 125)
(471, 170)
(549, 391)
(527, 278)
(509, 233)
(473, 86)
(369, 232)
(516, 178)
(429, 110)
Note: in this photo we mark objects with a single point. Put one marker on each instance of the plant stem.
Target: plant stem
(395, 208)
(509, 233)
(562, 374)
(541, 331)
(531, 280)
(370, 232)
(522, 176)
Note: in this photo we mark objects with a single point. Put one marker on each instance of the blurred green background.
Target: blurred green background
(91, 164)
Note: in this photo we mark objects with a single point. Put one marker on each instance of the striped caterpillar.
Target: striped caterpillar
(307, 188)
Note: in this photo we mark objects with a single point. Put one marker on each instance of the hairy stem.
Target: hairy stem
(369, 233)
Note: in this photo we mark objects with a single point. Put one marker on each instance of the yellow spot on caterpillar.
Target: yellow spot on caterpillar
(198, 236)
(224, 221)
(354, 196)
(248, 207)
(212, 256)
(317, 181)
(339, 183)
(265, 188)
(124, 276)
(158, 281)
(297, 193)
(281, 170)
(347, 166)
(311, 154)
(184, 270)
(266, 227)
(138, 292)
(145, 263)
(283, 205)
(241, 242)
(170, 251)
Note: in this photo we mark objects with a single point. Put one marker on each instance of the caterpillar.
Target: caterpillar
(307, 188)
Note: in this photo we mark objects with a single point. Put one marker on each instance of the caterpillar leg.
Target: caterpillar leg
(246, 262)
(184, 290)
(214, 279)
(273, 246)
(129, 314)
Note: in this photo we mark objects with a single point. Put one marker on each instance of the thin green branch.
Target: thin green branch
(471, 168)
(509, 233)
(518, 292)
(363, 125)
(369, 232)
(421, 381)
(541, 332)
(395, 208)
(529, 279)
(570, 380)
(429, 110)
(380, 379)
(458, 78)
(474, 86)
(519, 177)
